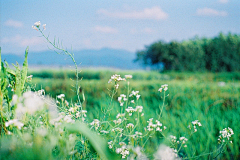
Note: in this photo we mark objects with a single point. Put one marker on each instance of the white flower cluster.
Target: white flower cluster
(135, 93)
(61, 118)
(128, 76)
(118, 121)
(116, 78)
(226, 133)
(68, 119)
(81, 114)
(37, 25)
(30, 102)
(137, 134)
(122, 150)
(15, 123)
(195, 124)
(122, 97)
(120, 130)
(151, 126)
(130, 110)
(182, 140)
(166, 153)
(173, 138)
(95, 123)
(61, 96)
(119, 115)
(110, 144)
(163, 87)
(129, 125)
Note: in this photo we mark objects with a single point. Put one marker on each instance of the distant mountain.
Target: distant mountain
(105, 57)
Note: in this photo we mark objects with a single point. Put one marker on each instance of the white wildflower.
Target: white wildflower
(110, 144)
(225, 134)
(130, 125)
(116, 86)
(117, 121)
(119, 115)
(37, 24)
(123, 151)
(95, 123)
(139, 108)
(166, 153)
(160, 89)
(61, 96)
(15, 122)
(72, 109)
(44, 26)
(138, 96)
(115, 78)
(103, 131)
(29, 77)
(165, 88)
(130, 110)
(68, 119)
(173, 138)
(128, 76)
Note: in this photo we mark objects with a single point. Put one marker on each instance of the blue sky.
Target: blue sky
(118, 24)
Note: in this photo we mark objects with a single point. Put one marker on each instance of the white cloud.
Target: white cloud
(106, 29)
(210, 12)
(223, 1)
(13, 23)
(23, 41)
(155, 13)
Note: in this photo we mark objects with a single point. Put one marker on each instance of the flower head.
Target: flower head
(37, 24)
(128, 76)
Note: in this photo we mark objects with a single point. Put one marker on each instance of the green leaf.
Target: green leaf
(98, 143)
(18, 90)
(24, 70)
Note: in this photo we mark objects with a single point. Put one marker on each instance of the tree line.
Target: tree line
(218, 54)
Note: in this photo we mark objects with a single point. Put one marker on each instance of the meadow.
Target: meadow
(212, 98)
(115, 114)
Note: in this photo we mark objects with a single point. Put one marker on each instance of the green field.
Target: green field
(117, 114)
(211, 98)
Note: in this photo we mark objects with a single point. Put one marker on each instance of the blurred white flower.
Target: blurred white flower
(61, 96)
(115, 78)
(68, 119)
(116, 86)
(225, 134)
(166, 153)
(130, 125)
(15, 122)
(139, 108)
(95, 123)
(37, 24)
(44, 26)
(160, 89)
(128, 76)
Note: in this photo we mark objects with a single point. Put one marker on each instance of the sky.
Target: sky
(119, 24)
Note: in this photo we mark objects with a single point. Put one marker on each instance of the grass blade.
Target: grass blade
(96, 141)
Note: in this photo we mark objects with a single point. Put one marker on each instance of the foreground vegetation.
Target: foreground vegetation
(212, 98)
(136, 115)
